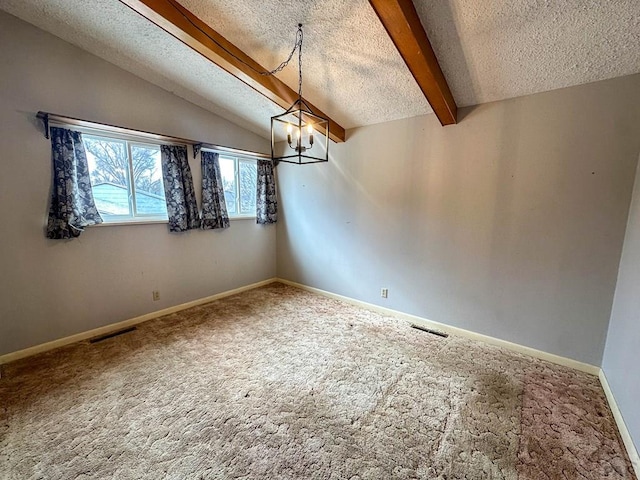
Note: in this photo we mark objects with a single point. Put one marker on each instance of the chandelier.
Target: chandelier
(307, 133)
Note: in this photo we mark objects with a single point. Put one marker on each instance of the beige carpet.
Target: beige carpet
(279, 383)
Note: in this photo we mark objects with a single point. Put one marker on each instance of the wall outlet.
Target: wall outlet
(156, 295)
(384, 292)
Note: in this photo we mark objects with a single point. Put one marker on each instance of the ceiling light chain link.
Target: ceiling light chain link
(279, 68)
(299, 36)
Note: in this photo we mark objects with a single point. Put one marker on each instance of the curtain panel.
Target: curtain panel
(72, 204)
(266, 196)
(182, 208)
(214, 207)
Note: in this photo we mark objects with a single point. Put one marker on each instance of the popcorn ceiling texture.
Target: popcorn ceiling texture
(111, 30)
(489, 50)
(493, 50)
(281, 383)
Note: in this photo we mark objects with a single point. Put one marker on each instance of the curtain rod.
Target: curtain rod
(47, 117)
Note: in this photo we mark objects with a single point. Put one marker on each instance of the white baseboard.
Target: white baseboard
(584, 367)
(622, 427)
(78, 337)
(567, 362)
(550, 357)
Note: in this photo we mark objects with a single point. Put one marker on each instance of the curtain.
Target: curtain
(72, 205)
(266, 198)
(214, 208)
(178, 188)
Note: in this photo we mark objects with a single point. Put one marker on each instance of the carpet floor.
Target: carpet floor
(280, 383)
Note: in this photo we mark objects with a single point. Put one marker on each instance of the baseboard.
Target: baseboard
(622, 427)
(550, 357)
(78, 337)
(584, 367)
(557, 359)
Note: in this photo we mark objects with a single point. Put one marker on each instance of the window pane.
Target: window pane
(109, 172)
(248, 176)
(228, 171)
(147, 176)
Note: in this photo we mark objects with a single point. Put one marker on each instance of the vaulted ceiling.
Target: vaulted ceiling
(489, 50)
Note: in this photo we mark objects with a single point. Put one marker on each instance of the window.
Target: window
(239, 177)
(126, 178)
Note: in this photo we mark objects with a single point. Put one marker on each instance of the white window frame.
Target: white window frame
(129, 139)
(237, 160)
(135, 217)
(143, 138)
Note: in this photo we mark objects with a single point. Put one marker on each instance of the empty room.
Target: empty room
(349, 239)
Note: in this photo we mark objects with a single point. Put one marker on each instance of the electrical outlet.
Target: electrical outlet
(156, 295)
(384, 292)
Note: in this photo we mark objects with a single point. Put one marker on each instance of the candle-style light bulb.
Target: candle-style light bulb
(310, 130)
(289, 127)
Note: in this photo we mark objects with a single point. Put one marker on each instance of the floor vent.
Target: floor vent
(111, 335)
(428, 330)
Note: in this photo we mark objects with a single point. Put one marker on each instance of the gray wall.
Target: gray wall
(622, 353)
(50, 289)
(509, 224)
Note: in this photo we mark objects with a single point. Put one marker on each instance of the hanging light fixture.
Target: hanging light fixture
(307, 133)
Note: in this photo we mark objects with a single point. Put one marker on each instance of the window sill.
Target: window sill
(152, 222)
(119, 223)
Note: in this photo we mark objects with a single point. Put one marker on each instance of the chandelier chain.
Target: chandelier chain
(299, 36)
(279, 68)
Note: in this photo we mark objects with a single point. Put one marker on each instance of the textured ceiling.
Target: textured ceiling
(498, 49)
(489, 50)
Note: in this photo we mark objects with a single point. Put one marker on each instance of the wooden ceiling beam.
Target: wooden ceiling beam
(186, 27)
(403, 25)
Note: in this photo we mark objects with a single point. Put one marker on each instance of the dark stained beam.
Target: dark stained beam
(403, 25)
(186, 27)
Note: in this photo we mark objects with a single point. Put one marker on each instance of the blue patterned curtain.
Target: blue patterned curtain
(72, 205)
(178, 189)
(214, 208)
(266, 198)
